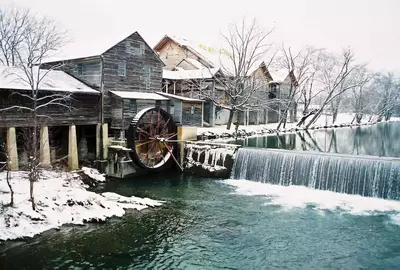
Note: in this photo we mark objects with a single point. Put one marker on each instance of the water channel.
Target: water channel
(236, 224)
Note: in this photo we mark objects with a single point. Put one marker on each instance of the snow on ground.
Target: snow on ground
(94, 174)
(343, 119)
(61, 198)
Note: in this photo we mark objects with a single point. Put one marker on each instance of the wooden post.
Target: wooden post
(73, 161)
(105, 140)
(12, 149)
(44, 147)
(202, 114)
(98, 141)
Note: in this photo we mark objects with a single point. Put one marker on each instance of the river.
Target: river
(229, 224)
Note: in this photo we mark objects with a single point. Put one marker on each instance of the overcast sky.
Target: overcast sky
(371, 27)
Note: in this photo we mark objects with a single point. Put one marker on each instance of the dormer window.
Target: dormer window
(122, 68)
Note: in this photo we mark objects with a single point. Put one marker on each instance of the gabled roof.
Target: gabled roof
(203, 73)
(93, 48)
(192, 62)
(211, 55)
(138, 95)
(278, 75)
(214, 56)
(53, 80)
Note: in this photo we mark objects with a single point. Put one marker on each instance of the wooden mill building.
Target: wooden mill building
(105, 84)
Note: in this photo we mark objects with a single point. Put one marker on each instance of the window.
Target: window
(122, 68)
(135, 47)
(79, 69)
(132, 105)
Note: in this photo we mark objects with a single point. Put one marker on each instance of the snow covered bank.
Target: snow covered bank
(343, 120)
(61, 198)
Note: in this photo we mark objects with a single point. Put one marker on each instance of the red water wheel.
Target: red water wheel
(152, 136)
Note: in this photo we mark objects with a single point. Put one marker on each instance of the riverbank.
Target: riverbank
(221, 132)
(61, 198)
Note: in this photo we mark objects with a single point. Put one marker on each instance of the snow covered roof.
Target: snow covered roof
(91, 46)
(195, 63)
(54, 80)
(203, 73)
(278, 75)
(214, 56)
(180, 97)
(138, 95)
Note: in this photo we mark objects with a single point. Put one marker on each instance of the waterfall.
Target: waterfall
(364, 175)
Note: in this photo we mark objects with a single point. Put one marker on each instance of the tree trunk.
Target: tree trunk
(237, 125)
(334, 115)
(359, 117)
(8, 177)
(304, 118)
(231, 113)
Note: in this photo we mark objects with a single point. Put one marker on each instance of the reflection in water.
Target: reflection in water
(378, 140)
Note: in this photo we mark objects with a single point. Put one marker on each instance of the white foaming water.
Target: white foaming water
(290, 197)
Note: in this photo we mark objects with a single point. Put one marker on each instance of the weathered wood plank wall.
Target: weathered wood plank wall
(78, 109)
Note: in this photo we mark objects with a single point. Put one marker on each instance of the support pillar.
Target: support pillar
(98, 141)
(73, 162)
(44, 147)
(185, 133)
(12, 149)
(105, 140)
(212, 114)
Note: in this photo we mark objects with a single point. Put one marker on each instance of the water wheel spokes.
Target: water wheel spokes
(151, 138)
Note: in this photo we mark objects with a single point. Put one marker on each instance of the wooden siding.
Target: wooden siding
(86, 70)
(117, 107)
(83, 110)
(124, 110)
(172, 54)
(137, 66)
(189, 119)
(175, 109)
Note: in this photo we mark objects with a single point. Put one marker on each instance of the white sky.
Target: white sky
(371, 27)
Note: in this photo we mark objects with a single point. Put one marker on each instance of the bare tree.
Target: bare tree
(6, 166)
(301, 69)
(30, 40)
(387, 90)
(246, 48)
(360, 98)
(334, 76)
(13, 27)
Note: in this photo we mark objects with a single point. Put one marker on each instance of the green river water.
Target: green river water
(233, 224)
